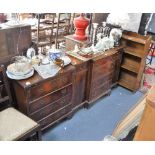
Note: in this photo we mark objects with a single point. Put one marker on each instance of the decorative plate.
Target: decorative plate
(12, 69)
(20, 77)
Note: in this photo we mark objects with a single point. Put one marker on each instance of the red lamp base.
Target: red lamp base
(79, 37)
(80, 24)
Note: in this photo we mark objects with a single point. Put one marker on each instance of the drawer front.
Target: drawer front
(49, 86)
(55, 116)
(102, 70)
(51, 108)
(103, 61)
(96, 92)
(101, 80)
(42, 102)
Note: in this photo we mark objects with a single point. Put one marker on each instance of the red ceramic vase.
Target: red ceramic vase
(80, 24)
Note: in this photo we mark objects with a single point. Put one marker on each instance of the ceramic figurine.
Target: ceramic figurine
(30, 52)
(116, 34)
(76, 49)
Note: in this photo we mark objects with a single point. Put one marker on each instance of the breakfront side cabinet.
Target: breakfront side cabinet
(136, 48)
(13, 41)
(46, 100)
(103, 73)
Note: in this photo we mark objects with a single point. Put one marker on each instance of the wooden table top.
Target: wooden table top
(96, 56)
(36, 78)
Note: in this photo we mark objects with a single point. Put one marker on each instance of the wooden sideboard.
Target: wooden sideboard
(13, 41)
(46, 100)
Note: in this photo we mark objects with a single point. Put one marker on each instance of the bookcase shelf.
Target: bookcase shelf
(133, 51)
(131, 69)
(134, 58)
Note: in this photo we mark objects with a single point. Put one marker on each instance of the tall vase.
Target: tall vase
(80, 24)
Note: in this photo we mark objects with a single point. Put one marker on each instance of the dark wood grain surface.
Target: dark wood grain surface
(13, 41)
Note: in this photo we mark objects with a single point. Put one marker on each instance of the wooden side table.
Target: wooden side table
(71, 42)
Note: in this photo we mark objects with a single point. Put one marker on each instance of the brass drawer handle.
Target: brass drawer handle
(42, 103)
(41, 113)
(112, 65)
(64, 91)
(64, 79)
(41, 90)
(62, 101)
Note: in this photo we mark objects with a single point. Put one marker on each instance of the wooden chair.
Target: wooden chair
(62, 28)
(43, 36)
(13, 124)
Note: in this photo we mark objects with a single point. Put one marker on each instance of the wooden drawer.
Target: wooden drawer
(42, 102)
(96, 92)
(51, 119)
(102, 79)
(102, 70)
(49, 86)
(51, 108)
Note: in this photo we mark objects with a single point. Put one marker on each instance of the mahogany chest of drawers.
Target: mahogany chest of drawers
(103, 73)
(46, 100)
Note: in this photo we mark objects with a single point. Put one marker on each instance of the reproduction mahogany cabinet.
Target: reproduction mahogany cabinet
(136, 49)
(103, 73)
(13, 41)
(46, 100)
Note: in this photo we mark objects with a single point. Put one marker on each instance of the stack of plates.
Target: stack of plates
(14, 73)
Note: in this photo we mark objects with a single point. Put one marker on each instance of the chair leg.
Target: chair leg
(38, 135)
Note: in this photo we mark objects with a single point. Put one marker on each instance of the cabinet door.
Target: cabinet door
(116, 59)
(79, 88)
